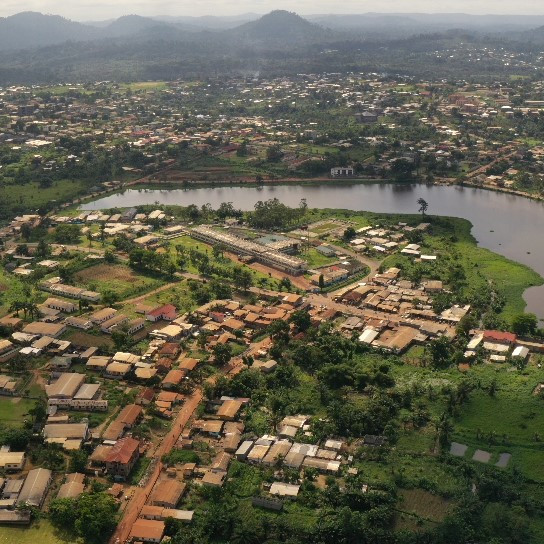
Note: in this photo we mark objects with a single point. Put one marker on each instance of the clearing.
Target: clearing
(118, 278)
(424, 504)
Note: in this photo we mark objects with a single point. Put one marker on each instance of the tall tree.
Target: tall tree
(423, 206)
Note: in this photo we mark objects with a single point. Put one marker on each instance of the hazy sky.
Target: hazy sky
(103, 9)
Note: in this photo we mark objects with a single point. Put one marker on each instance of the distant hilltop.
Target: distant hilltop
(32, 29)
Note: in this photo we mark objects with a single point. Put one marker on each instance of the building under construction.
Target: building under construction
(261, 253)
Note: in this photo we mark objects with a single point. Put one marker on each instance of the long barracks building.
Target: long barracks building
(262, 254)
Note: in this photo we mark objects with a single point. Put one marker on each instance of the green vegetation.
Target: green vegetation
(139, 470)
(316, 259)
(489, 282)
(91, 516)
(41, 531)
(13, 411)
(118, 279)
(351, 391)
(30, 197)
(180, 457)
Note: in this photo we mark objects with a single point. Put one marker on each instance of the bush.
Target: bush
(180, 456)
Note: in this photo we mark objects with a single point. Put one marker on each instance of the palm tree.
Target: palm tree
(444, 428)
(102, 233)
(32, 309)
(16, 306)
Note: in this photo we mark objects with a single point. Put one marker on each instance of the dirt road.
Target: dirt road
(140, 496)
(372, 264)
(320, 300)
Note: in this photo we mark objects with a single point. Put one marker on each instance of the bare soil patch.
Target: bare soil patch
(106, 272)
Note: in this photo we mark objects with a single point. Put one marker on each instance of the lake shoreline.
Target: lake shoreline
(507, 224)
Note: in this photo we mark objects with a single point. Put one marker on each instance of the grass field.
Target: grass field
(14, 410)
(81, 338)
(190, 243)
(503, 423)
(118, 278)
(11, 288)
(145, 86)
(507, 422)
(316, 259)
(325, 227)
(40, 531)
(33, 196)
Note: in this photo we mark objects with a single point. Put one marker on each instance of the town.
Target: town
(74, 141)
(174, 371)
(163, 359)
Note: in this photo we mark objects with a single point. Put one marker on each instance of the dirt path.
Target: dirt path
(139, 298)
(367, 261)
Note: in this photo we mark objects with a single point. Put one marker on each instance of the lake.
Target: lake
(507, 224)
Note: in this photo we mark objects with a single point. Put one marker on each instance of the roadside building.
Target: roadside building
(214, 479)
(167, 493)
(342, 172)
(135, 325)
(117, 370)
(69, 435)
(35, 487)
(79, 323)
(41, 328)
(122, 457)
(130, 415)
(147, 530)
(167, 312)
(264, 254)
(113, 323)
(323, 465)
(243, 450)
(98, 363)
(284, 490)
(520, 352)
(229, 409)
(277, 452)
(7, 350)
(66, 386)
(72, 487)
(257, 453)
(61, 305)
(173, 378)
(101, 316)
